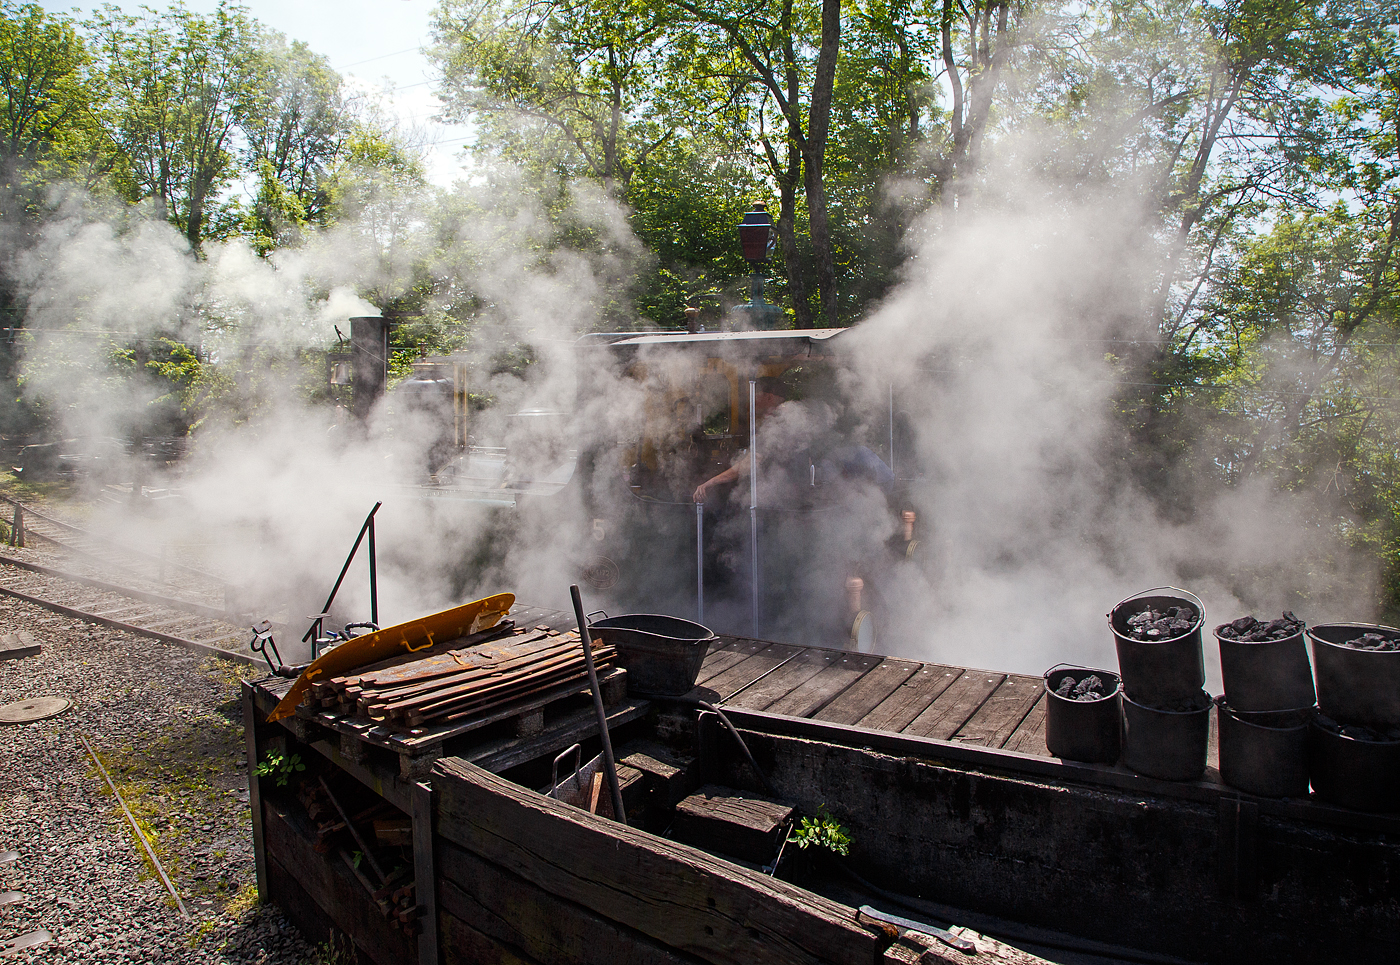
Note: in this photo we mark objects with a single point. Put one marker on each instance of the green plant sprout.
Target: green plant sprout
(279, 766)
(822, 831)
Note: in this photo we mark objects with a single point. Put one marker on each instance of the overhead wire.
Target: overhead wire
(370, 60)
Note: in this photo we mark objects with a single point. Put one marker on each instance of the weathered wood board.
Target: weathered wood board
(510, 910)
(676, 895)
(13, 646)
(726, 821)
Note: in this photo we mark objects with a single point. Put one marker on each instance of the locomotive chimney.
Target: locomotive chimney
(369, 350)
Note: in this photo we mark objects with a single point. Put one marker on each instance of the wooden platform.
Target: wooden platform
(987, 709)
(940, 773)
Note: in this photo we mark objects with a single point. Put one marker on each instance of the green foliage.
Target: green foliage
(296, 129)
(44, 92)
(822, 831)
(280, 767)
(177, 85)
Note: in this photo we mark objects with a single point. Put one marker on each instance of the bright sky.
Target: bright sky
(374, 43)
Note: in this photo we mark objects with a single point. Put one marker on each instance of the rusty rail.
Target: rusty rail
(167, 611)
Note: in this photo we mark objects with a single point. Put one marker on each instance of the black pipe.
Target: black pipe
(609, 765)
(724, 719)
(373, 576)
(367, 527)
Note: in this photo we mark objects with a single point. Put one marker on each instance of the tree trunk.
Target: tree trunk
(787, 236)
(814, 155)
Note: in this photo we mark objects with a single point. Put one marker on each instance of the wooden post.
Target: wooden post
(17, 530)
(251, 729)
(424, 874)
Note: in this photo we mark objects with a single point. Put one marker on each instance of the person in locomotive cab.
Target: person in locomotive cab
(769, 393)
(805, 468)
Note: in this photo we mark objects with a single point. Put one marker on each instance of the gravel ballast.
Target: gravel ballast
(167, 724)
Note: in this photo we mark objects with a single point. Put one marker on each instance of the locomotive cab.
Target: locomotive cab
(806, 548)
(809, 547)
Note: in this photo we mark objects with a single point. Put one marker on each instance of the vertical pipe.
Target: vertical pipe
(700, 562)
(753, 499)
(891, 427)
(373, 578)
(610, 768)
(366, 528)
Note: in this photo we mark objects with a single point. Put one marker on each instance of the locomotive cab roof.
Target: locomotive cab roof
(814, 341)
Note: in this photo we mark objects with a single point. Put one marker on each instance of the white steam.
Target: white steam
(999, 347)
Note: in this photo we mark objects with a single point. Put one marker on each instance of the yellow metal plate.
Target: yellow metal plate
(423, 633)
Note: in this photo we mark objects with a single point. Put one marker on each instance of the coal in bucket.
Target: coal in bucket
(1167, 741)
(662, 654)
(1264, 753)
(1082, 714)
(1268, 673)
(1353, 766)
(1358, 672)
(1158, 637)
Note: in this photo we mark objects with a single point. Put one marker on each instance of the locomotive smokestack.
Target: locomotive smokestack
(369, 350)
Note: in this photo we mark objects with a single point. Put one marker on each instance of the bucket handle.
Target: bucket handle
(589, 615)
(1071, 666)
(1200, 607)
(577, 751)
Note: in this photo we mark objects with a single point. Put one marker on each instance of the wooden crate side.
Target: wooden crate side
(677, 895)
(461, 943)
(508, 909)
(341, 898)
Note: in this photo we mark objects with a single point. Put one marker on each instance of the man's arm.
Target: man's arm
(734, 473)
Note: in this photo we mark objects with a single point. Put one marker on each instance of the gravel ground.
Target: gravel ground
(168, 726)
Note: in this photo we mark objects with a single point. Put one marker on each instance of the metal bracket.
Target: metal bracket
(1237, 848)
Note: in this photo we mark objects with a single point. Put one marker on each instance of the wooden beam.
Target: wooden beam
(955, 706)
(1029, 736)
(425, 874)
(504, 753)
(785, 679)
(253, 729)
(911, 698)
(811, 696)
(751, 669)
(679, 896)
(721, 658)
(997, 719)
(16, 645)
(510, 910)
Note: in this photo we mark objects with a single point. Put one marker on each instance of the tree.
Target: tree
(295, 128)
(178, 85)
(587, 73)
(43, 89)
(780, 58)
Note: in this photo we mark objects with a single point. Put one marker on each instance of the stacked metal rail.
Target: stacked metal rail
(462, 683)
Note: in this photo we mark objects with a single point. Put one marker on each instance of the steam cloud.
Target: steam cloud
(995, 348)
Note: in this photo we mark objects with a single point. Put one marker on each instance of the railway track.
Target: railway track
(95, 555)
(174, 602)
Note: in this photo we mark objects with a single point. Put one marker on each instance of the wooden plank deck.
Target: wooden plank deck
(984, 708)
(893, 694)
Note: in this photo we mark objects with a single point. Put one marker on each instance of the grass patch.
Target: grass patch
(178, 782)
(243, 902)
(200, 933)
(36, 491)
